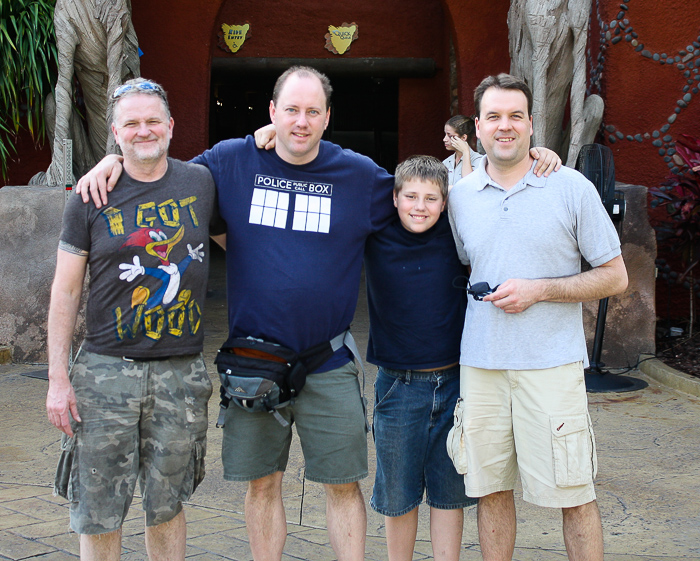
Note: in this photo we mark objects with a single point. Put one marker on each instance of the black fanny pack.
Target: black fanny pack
(257, 375)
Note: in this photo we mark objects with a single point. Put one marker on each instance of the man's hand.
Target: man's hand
(547, 161)
(100, 180)
(516, 295)
(265, 137)
(133, 270)
(60, 401)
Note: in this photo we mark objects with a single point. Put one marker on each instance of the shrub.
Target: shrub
(29, 57)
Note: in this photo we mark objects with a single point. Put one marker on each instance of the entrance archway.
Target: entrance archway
(391, 88)
(364, 105)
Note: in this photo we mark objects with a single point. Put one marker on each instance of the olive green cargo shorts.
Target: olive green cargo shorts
(141, 420)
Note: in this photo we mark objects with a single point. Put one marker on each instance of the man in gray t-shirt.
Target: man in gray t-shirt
(134, 406)
(524, 405)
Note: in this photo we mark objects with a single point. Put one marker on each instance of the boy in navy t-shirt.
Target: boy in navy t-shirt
(416, 320)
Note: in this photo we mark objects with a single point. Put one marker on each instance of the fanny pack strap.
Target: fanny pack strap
(346, 339)
(312, 359)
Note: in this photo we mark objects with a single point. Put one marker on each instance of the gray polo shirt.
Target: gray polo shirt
(540, 228)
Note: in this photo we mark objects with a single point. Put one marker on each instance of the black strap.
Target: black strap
(312, 359)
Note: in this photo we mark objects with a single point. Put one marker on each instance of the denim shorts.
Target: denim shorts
(413, 413)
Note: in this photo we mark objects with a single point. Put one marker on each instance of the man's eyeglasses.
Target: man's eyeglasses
(146, 87)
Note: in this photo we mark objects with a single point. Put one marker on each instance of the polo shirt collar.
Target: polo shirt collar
(530, 179)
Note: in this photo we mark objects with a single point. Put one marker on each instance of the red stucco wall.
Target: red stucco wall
(480, 36)
(175, 37)
(640, 93)
(30, 159)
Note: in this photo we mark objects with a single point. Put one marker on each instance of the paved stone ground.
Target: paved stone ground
(649, 469)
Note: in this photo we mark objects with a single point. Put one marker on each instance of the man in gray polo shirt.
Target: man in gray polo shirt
(523, 346)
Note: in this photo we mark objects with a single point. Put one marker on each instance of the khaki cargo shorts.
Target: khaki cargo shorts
(141, 420)
(534, 422)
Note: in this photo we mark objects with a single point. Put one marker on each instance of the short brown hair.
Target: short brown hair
(303, 72)
(422, 168)
(503, 82)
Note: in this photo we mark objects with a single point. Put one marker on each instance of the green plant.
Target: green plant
(679, 232)
(29, 58)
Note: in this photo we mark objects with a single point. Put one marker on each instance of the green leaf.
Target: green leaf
(29, 59)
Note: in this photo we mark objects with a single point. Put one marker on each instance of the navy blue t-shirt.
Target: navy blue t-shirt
(416, 314)
(295, 239)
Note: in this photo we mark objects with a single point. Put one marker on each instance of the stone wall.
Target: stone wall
(30, 223)
(631, 318)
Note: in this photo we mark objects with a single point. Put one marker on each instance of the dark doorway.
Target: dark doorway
(364, 111)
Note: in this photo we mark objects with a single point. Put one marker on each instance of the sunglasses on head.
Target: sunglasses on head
(148, 87)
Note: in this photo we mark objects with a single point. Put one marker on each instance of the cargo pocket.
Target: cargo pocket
(456, 443)
(573, 450)
(63, 483)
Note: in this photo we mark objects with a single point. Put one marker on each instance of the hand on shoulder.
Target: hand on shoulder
(100, 180)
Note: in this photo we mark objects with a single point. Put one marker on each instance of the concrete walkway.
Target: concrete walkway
(648, 481)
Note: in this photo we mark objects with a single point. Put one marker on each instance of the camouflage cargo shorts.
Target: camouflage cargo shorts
(141, 420)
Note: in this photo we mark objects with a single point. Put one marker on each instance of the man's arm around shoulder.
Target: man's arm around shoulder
(517, 295)
(71, 264)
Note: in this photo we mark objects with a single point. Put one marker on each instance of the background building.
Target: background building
(413, 64)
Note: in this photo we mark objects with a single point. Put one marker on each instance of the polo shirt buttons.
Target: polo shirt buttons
(504, 209)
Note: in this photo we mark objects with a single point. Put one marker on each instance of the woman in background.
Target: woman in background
(460, 138)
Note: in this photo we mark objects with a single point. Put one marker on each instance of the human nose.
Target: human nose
(420, 203)
(143, 129)
(302, 121)
(504, 123)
